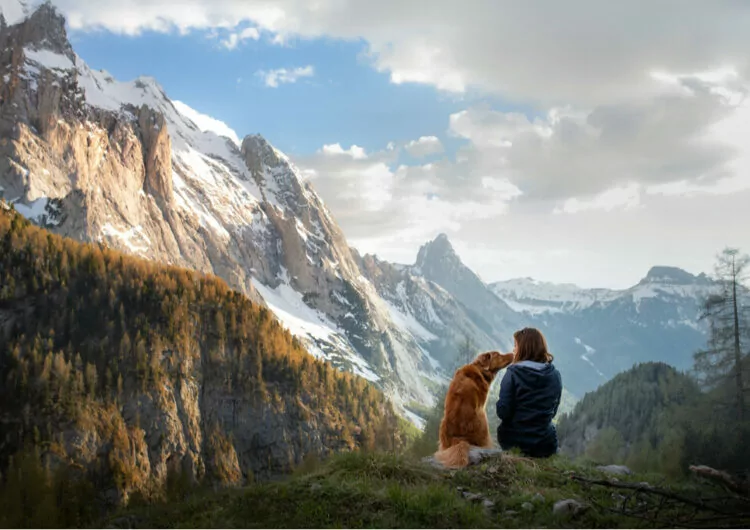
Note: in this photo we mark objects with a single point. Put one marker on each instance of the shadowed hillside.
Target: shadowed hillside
(128, 372)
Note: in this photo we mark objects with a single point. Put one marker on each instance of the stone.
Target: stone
(615, 470)
(568, 507)
(472, 496)
(477, 454)
(488, 504)
(538, 497)
(527, 506)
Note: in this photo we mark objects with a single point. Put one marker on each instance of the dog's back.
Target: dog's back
(464, 421)
(464, 409)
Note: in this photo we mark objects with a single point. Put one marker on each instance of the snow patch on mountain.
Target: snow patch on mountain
(585, 357)
(527, 295)
(418, 422)
(588, 348)
(129, 237)
(407, 321)
(33, 211)
(650, 290)
(13, 11)
(48, 59)
(207, 123)
(536, 298)
(307, 323)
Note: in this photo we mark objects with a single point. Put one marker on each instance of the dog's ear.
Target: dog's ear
(484, 359)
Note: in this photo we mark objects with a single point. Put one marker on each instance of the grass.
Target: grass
(359, 490)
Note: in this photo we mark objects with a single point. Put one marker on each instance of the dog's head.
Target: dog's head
(492, 361)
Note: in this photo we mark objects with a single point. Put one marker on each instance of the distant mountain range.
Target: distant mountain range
(119, 163)
(598, 333)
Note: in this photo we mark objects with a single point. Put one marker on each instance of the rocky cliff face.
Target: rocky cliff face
(116, 162)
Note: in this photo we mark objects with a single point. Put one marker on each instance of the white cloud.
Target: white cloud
(686, 135)
(355, 152)
(354, 184)
(272, 78)
(235, 38)
(625, 197)
(372, 198)
(206, 123)
(580, 52)
(424, 146)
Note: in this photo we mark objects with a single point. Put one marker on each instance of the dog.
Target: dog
(465, 421)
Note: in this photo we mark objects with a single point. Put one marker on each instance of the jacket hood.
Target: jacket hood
(533, 373)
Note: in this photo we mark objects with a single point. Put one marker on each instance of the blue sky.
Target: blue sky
(346, 101)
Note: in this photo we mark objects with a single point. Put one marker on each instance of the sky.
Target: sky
(579, 142)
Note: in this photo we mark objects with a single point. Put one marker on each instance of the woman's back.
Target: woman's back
(536, 389)
(530, 395)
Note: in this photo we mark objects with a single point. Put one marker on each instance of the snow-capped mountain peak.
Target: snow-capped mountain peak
(535, 297)
(603, 331)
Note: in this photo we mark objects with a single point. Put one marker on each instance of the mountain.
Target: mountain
(597, 333)
(443, 301)
(124, 372)
(120, 164)
(438, 262)
(633, 418)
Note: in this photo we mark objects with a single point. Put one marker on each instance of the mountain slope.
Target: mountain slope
(117, 162)
(443, 301)
(129, 370)
(438, 262)
(598, 333)
(635, 404)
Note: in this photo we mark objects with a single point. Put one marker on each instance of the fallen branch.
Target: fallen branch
(659, 523)
(721, 477)
(649, 489)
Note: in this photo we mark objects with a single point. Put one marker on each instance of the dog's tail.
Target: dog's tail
(455, 456)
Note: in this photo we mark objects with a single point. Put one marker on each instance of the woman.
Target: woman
(529, 397)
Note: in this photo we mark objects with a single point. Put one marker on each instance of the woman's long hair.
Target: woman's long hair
(531, 346)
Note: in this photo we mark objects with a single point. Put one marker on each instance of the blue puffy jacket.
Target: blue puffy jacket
(529, 397)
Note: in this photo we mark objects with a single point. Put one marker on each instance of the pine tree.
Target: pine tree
(720, 364)
(466, 352)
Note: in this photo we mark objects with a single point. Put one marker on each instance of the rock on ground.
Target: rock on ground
(568, 507)
(615, 470)
(476, 455)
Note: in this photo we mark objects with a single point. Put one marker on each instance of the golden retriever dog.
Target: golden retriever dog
(465, 421)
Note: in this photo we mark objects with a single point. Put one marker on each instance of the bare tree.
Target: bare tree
(722, 360)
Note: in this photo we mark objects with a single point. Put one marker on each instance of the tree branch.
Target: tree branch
(649, 489)
(721, 477)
